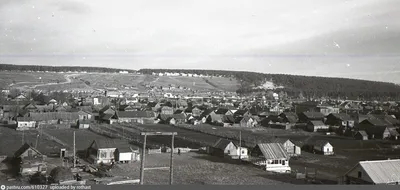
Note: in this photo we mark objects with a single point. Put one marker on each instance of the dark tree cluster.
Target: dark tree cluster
(9, 67)
(307, 86)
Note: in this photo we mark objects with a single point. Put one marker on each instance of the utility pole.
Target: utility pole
(142, 159)
(74, 151)
(23, 134)
(171, 169)
(240, 145)
(37, 138)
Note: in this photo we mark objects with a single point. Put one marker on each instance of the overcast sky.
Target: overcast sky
(339, 38)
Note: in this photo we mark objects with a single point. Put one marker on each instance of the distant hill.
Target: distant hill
(9, 67)
(307, 86)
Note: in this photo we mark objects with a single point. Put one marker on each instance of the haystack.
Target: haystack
(60, 174)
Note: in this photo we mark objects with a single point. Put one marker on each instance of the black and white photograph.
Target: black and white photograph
(116, 94)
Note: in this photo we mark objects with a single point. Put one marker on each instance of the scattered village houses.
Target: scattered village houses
(291, 149)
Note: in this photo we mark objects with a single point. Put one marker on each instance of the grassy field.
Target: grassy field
(27, 79)
(112, 80)
(83, 138)
(11, 141)
(348, 151)
(194, 168)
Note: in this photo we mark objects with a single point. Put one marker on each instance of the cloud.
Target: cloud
(224, 34)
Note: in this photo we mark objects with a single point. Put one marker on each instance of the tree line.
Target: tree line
(10, 67)
(306, 86)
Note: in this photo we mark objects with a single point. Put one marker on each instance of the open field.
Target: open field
(197, 83)
(113, 80)
(11, 141)
(347, 150)
(83, 138)
(28, 78)
(194, 168)
(90, 81)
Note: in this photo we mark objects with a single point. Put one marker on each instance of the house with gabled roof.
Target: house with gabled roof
(228, 120)
(247, 122)
(271, 156)
(340, 119)
(135, 116)
(305, 117)
(317, 126)
(323, 147)
(226, 148)
(30, 160)
(104, 151)
(289, 117)
(377, 172)
(291, 148)
(361, 135)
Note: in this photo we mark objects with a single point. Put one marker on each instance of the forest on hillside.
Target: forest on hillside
(306, 86)
(10, 67)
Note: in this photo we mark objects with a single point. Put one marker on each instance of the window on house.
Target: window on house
(359, 174)
(29, 153)
(283, 162)
(279, 161)
(103, 155)
(242, 151)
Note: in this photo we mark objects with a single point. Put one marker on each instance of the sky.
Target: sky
(335, 38)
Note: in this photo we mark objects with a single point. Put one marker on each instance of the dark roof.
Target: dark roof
(290, 116)
(228, 119)
(221, 144)
(362, 133)
(111, 143)
(24, 148)
(179, 116)
(134, 114)
(240, 112)
(342, 116)
(221, 111)
(47, 116)
(375, 122)
(321, 143)
(314, 115)
(179, 111)
(106, 116)
(316, 123)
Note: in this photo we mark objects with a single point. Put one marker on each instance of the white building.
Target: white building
(25, 123)
(324, 147)
(271, 155)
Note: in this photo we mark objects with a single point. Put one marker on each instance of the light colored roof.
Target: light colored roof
(321, 143)
(272, 150)
(363, 133)
(317, 123)
(381, 171)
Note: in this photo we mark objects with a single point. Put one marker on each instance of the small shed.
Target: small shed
(83, 124)
(127, 154)
(361, 135)
(323, 147)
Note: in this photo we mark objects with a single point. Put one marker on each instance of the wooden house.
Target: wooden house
(30, 160)
(127, 154)
(228, 120)
(289, 117)
(378, 172)
(166, 110)
(104, 151)
(247, 122)
(271, 156)
(361, 135)
(226, 148)
(340, 119)
(323, 147)
(179, 119)
(305, 117)
(291, 149)
(25, 123)
(317, 126)
(83, 124)
(142, 117)
(375, 128)
(83, 115)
